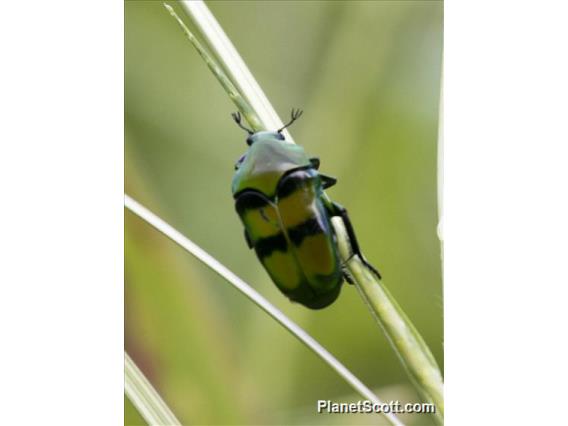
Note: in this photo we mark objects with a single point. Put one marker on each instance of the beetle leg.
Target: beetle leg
(249, 241)
(347, 275)
(327, 181)
(342, 212)
(315, 162)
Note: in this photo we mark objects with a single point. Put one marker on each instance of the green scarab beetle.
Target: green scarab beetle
(279, 196)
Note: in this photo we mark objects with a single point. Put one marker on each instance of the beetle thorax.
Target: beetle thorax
(266, 161)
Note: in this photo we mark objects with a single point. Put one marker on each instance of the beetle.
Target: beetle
(280, 199)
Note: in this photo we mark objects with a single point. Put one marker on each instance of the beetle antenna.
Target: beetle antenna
(237, 117)
(296, 113)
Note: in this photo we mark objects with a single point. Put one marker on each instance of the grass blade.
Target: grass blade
(144, 397)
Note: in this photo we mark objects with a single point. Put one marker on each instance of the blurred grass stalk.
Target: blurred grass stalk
(401, 333)
(144, 397)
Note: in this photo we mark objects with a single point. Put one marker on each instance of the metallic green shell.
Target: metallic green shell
(266, 160)
(280, 200)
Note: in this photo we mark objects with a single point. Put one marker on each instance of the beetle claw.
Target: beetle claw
(296, 113)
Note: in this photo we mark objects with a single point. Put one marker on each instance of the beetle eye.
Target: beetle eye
(239, 162)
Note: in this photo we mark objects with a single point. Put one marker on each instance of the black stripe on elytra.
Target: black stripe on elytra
(265, 246)
(295, 179)
(250, 200)
(311, 226)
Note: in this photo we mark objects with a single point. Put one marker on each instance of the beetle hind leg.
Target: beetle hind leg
(342, 212)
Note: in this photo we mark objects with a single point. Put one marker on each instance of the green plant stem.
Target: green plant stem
(144, 397)
(244, 107)
(407, 342)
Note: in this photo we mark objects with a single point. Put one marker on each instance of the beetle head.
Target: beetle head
(266, 135)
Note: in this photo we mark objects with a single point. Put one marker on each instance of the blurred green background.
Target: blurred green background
(367, 75)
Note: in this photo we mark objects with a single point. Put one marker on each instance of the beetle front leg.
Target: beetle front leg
(339, 210)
